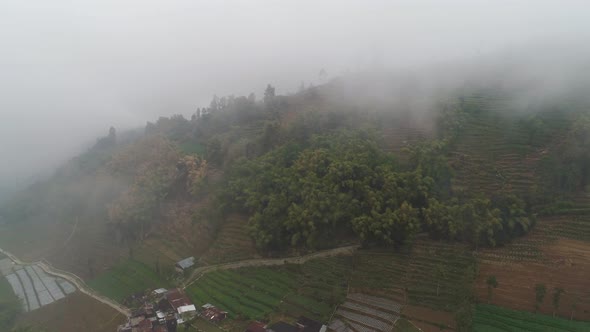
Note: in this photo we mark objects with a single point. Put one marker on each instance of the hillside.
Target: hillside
(440, 196)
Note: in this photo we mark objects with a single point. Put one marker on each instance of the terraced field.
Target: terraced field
(492, 153)
(127, 278)
(312, 289)
(490, 318)
(33, 286)
(232, 243)
(432, 277)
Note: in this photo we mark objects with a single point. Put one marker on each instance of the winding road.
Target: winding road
(197, 273)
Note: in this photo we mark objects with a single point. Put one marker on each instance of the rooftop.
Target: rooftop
(186, 263)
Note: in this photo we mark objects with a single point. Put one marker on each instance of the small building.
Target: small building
(184, 264)
(159, 291)
(177, 298)
(213, 314)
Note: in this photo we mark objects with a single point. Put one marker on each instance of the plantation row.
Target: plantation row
(312, 289)
(489, 318)
(432, 275)
(233, 244)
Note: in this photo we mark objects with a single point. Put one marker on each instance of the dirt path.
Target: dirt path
(200, 271)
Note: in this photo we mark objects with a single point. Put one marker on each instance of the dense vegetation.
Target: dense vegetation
(342, 183)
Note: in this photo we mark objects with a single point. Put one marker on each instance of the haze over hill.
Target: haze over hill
(71, 70)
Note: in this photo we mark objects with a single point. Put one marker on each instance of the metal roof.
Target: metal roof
(186, 263)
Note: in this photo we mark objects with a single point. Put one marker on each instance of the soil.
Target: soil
(76, 312)
(565, 264)
(421, 316)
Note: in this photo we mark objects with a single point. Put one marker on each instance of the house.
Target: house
(159, 291)
(309, 325)
(283, 327)
(211, 313)
(177, 299)
(185, 264)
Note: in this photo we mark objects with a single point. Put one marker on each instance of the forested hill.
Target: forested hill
(311, 170)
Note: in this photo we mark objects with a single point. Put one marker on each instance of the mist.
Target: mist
(71, 69)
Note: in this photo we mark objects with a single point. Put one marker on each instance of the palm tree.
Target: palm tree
(540, 291)
(492, 283)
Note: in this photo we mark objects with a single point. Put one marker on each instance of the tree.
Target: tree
(557, 291)
(112, 134)
(540, 291)
(214, 106)
(269, 95)
(492, 283)
(441, 273)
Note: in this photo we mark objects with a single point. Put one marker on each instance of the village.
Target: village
(165, 310)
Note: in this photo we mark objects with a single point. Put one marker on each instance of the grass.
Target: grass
(312, 289)
(127, 278)
(6, 292)
(489, 318)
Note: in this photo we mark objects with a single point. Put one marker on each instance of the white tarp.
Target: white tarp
(67, 287)
(29, 289)
(49, 283)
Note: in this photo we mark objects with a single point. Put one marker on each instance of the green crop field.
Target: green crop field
(127, 278)
(312, 289)
(489, 318)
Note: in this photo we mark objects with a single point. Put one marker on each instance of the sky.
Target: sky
(71, 69)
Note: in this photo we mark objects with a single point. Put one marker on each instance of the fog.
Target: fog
(71, 69)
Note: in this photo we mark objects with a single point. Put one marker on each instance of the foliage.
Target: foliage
(540, 291)
(339, 183)
(10, 308)
(152, 163)
(557, 291)
(492, 283)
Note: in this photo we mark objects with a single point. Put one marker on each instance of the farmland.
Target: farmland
(232, 243)
(489, 318)
(83, 314)
(126, 278)
(431, 278)
(312, 289)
